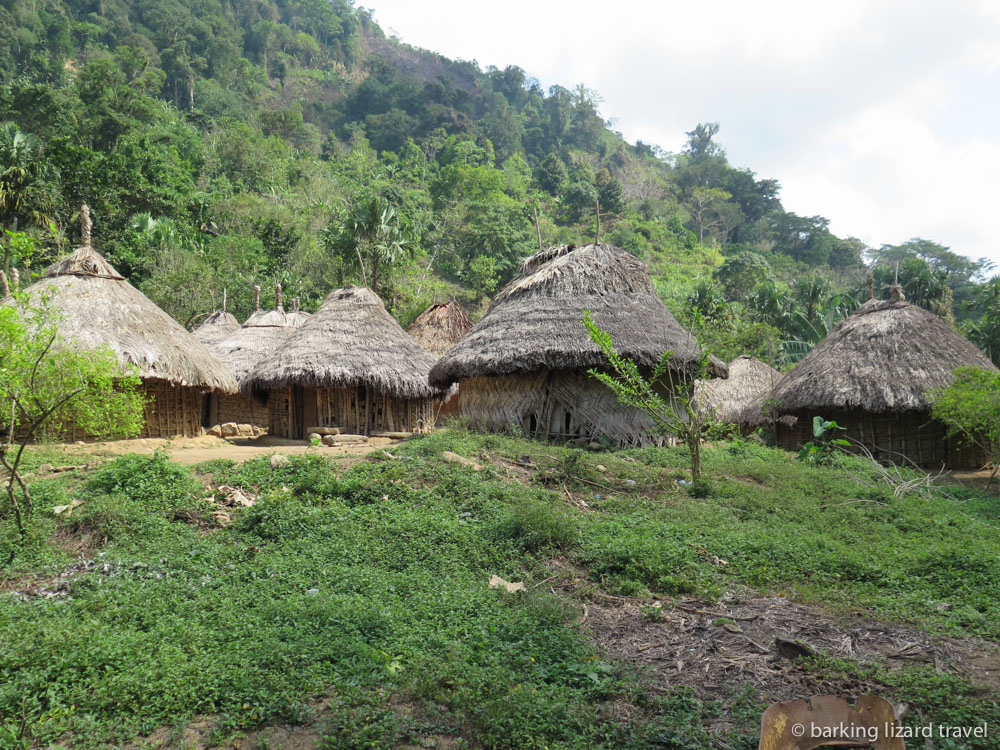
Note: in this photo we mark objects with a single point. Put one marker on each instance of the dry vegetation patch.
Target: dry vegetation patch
(758, 640)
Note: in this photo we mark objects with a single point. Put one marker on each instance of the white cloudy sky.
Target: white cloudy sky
(883, 116)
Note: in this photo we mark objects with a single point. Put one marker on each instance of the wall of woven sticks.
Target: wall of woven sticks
(242, 409)
(355, 410)
(364, 410)
(892, 437)
(171, 410)
(553, 405)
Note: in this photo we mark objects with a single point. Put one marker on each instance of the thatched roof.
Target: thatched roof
(727, 399)
(100, 308)
(262, 334)
(296, 315)
(216, 327)
(534, 321)
(350, 340)
(440, 327)
(885, 357)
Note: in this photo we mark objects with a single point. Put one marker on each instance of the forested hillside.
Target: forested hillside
(226, 144)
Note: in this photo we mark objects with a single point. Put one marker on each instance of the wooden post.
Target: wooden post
(597, 213)
(86, 225)
(538, 229)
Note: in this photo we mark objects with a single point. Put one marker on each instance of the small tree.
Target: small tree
(970, 410)
(678, 417)
(46, 386)
(371, 237)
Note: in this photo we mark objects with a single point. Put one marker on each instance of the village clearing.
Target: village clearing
(299, 602)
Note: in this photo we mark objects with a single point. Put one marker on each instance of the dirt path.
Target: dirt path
(191, 451)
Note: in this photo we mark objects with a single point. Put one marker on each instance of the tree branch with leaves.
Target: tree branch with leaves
(667, 397)
(48, 386)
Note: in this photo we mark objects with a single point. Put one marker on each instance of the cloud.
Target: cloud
(878, 115)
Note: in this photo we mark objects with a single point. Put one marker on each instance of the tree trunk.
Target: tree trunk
(694, 447)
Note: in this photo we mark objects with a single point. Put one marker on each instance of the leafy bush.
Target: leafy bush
(637, 556)
(276, 517)
(309, 477)
(152, 481)
(536, 525)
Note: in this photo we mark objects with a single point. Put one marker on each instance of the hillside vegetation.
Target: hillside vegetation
(222, 145)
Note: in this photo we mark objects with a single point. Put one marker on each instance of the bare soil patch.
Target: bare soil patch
(195, 450)
(755, 639)
(202, 733)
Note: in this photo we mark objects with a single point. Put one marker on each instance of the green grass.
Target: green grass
(374, 585)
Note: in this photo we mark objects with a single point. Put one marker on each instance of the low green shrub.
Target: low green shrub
(310, 477)
(153, 481)
(536, 525)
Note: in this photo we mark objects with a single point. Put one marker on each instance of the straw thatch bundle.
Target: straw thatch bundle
(440, 327)
(727, 400)
(872, 375)
(350, 340)
(534, 323)
(216, 327)
(100, 308)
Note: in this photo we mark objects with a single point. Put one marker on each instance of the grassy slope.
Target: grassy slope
(372, 588)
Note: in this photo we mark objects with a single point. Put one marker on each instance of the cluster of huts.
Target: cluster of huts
(349, 366)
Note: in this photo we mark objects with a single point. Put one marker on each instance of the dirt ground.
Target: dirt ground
(205, 448)
(757, 639)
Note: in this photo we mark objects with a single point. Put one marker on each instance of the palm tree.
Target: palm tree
(770, 304)
(810, 292)
(26, 193)
(370, 236)
(985, 332)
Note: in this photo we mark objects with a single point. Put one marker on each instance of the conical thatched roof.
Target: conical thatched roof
(296, 316)
(534, 321)
(216, 327)
(100, 308)
(350, 340)
(440, 327)
(262, 334)
(726, 400)
(884, 357)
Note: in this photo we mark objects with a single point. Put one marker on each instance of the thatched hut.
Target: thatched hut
(440, 327)
(437, 329)
(216, 327)
(524, 365)
(100, 308)
(727, 400)
(872, 375)
(349, 366)
(241, 351)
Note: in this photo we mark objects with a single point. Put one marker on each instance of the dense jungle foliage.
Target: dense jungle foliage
(226, 144)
